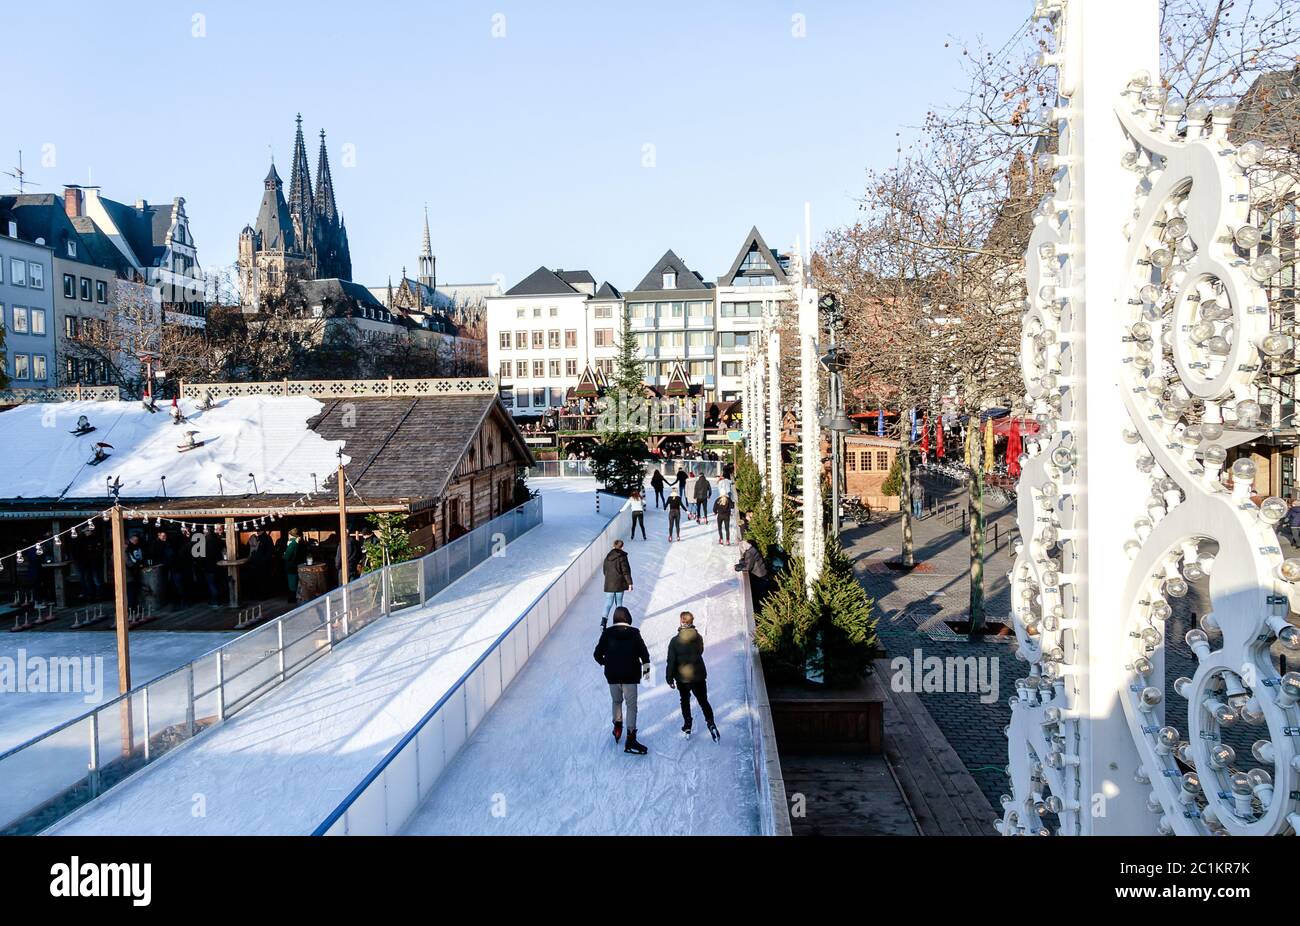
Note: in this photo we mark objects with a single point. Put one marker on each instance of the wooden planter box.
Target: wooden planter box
(810, 719)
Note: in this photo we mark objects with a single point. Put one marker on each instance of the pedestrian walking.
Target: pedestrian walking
(674, 515)
(638, 514)
(626, 660)
(918, 498)
(657, 483)
(681, 482)
(618, 579)
(686, 672)
(703, 491)
(722, 508)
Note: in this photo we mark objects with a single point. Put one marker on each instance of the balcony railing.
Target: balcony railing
(49, 777)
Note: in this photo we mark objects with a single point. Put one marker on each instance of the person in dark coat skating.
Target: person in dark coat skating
(675, 505)
(657, 483)
(702, 492)
(626, 660)
(686, 672)
(618, 579)
(681, 482)
(722, 509)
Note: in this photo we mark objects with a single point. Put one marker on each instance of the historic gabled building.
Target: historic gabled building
(302, 236)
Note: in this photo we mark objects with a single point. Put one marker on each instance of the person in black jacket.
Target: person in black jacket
(681, 482)
(626, 660)
(722, 508)
(685, 671)
(618, 579)
(702, 492)
(674, 515)
(657, 483)
(752, 562)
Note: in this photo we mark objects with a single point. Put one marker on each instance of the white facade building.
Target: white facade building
(545, 331)
(674, 314)
(756, 284)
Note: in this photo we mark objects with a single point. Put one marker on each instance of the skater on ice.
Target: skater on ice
(657, 483)
(638, 514)
(674, 515)
(618, 579)
(681, 482)
(685, 671)
(703, 491)
(722, 509)
(626, 660)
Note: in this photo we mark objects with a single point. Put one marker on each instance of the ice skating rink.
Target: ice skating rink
(543, 762)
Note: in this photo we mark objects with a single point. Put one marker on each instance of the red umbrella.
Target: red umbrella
(925, 438)
(938, 439)
(1013, 449)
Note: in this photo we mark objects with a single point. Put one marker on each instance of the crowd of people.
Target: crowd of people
(621, 651)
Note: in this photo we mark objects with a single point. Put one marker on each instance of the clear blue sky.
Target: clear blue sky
(528, 148)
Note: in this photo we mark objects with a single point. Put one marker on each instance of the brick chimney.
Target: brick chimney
(74, 202)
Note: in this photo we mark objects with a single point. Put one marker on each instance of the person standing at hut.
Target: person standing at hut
(295, 554)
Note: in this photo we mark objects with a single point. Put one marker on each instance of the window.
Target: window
(519, 313)
(731, 368)
(101, 292)
(557, 396)
(72, 369)
(506, 367)
(882, 460)
(604, 337)
(36, 274)
(678, 309)
(521, 398)
(555, 369)
(72, 249)
(505, 340)
(571, 338)
(851, 462)
(17, 272)
(71, 326)
(521, 369)
(670, 279)
(733, 338)
(539, 398)
(537, 313)
(539, 369)
(38, 324)
(570, 367)
(521, 340)
(92, 371)
(866, 461)
(641, 310)
(20, 325)
(22, 369)
(698, 309)
(699, 339)
(605, 366)
(553, 339)
(38, 366)
(604, 311)
(85, 289)
(539, 340)
(651, 370)
(742, 310)
(69, 286)
(555, 311)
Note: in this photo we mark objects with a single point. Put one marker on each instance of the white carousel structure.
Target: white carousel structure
(1145, 333)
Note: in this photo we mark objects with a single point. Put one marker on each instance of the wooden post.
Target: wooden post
(60, 594)
(232, 554)
(344, 578)
(123, 642)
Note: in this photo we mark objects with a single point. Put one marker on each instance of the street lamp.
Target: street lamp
(835, 421)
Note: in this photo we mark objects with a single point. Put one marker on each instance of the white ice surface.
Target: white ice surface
(264, 435)
(281, 765)
(25, 714)
(544, 762)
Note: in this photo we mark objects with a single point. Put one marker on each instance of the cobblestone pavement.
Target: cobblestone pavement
(914, 607)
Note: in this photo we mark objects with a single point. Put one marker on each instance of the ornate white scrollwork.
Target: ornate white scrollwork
(1195, 328)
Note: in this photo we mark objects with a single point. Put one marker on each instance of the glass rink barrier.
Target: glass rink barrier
(388, 796)
(572, 469)
(48, 777)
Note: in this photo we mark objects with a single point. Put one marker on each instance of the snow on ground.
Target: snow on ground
(263, 435)
(545, 756)
(26, 714)
(281, 765)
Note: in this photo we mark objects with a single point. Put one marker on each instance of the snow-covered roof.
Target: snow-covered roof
(263, 435)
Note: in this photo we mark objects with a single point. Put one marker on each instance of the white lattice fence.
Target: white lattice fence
(345, 388)
(61, 394)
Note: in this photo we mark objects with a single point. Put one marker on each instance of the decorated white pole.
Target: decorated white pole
(777, 481)
(810, 434)
(1143, 328)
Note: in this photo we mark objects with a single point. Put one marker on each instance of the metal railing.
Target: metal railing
(50, 776)
(569, 469)
(387, 798)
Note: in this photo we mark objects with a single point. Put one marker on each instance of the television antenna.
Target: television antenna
(19, 174)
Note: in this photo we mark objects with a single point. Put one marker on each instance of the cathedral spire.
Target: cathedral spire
(325, 204)
(427, 275)
(301, 206)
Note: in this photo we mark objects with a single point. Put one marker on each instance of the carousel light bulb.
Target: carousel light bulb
(1272, 510)
(1129, 160)
(1201, 332)
(1198, 641)
(1223, 111)
(1175, 108)
(1240, 784)
(1167, 737)
(1222, 755)
(1249, 154)
(1262, 750)
(1289, 688)
(1150, 698)
(1214, 455)
(1198, 111)
(1224, 715)
(1247, 237)
(1131, 435)
(1047, 251)
(1289, 637)
(1162, 258)
(1265, 267)
(1290, 569)
(1175, 587)
(1275, 345)
(1218, 346)
(1149, 293)
(1142, 666)
(1244, 469)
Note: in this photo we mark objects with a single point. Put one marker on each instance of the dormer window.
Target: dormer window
(72, 249)
(670, 279)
